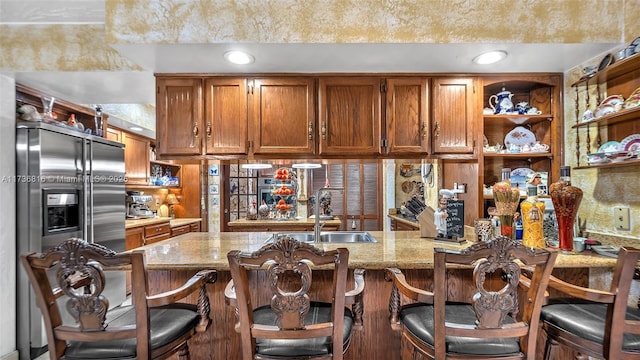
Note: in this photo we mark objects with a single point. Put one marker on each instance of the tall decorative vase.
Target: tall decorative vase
(506, 198)
(532, 217)
(566, 199)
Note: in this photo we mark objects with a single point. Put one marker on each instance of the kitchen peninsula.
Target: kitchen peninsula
(176, 259)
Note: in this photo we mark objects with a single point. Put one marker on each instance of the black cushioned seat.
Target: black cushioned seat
(418, 320)
(587, 320)
(318, 313)
(167, 324)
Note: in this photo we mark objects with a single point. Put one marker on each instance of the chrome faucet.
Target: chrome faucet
(316, 211)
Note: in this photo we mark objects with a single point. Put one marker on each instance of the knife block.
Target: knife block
(427, 225)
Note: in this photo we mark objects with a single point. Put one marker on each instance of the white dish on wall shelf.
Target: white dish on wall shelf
(610, 147)
(613, 100)
(519, 136)
(604, 109)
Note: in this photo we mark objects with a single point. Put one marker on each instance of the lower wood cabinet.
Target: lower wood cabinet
(179, 230)
(156, 232)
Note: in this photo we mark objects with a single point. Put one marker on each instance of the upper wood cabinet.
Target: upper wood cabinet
(179, 125)
(349, 115)
(407, 119)
(136, 158)
(136, 155)
(282, 115)
(226, 116)
(454, 109)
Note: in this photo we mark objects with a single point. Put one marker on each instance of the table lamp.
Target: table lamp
(172, 200)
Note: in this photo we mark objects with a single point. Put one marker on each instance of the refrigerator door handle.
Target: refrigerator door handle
(90, 195)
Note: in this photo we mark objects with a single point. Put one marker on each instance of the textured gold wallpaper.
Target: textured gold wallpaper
(368, 21)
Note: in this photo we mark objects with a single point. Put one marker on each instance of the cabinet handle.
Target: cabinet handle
(310, 130)
(424, 130)
(437, 130)
(209, 130)
(324, 131)
(195, 132)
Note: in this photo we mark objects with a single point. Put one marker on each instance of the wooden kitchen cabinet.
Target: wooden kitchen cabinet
(454, 115)
(407, 115)
(136, 158)
(157, 232)
(349, 115)
(179, 230)
(194, 227)
(134, 238)
(282, 116)
(263, 116)
(179, 129)
(225, 119)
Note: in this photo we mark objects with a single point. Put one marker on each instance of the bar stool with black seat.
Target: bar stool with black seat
(153, 327)
(595, 323)
(482, 321)
(301, 319)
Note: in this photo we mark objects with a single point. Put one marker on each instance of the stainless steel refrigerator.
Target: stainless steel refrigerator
(68, 184)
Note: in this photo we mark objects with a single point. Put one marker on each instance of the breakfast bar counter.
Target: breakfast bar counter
(171, 262)
(402, 249)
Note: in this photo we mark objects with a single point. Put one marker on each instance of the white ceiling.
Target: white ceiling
(113, 87)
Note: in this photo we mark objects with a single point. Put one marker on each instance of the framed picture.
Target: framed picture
(542, 190)
(214, 189)
(213, 170)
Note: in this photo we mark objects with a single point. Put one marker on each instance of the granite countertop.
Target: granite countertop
(131, 223)
(402, 249)
(304, 221)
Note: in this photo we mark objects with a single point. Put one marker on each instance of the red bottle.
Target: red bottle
(566, 199)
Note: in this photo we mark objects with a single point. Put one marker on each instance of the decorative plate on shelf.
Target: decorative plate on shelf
(606, 61)
(610, 147)
(613, 100)
(604, 109)
(521, 172)
(519, 136)
(631, 143)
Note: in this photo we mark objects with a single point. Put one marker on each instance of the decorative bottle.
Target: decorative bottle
(532, 217)
(566, 200)
(506, 198)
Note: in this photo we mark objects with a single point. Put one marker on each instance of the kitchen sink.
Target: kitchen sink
(330, 237)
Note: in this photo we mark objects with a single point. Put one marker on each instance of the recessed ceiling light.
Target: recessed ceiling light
(490, 57)
(135, 128)
(238, 57)
(306, 166)
(256, 166)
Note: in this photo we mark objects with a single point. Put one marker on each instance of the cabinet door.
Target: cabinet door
(226, 116)
(453, 115)
(283, 116)
(349, 116)
(179, 116)
(195, 227)
(113, 134)
(136, 158)
(407, 116)
(134, 237)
